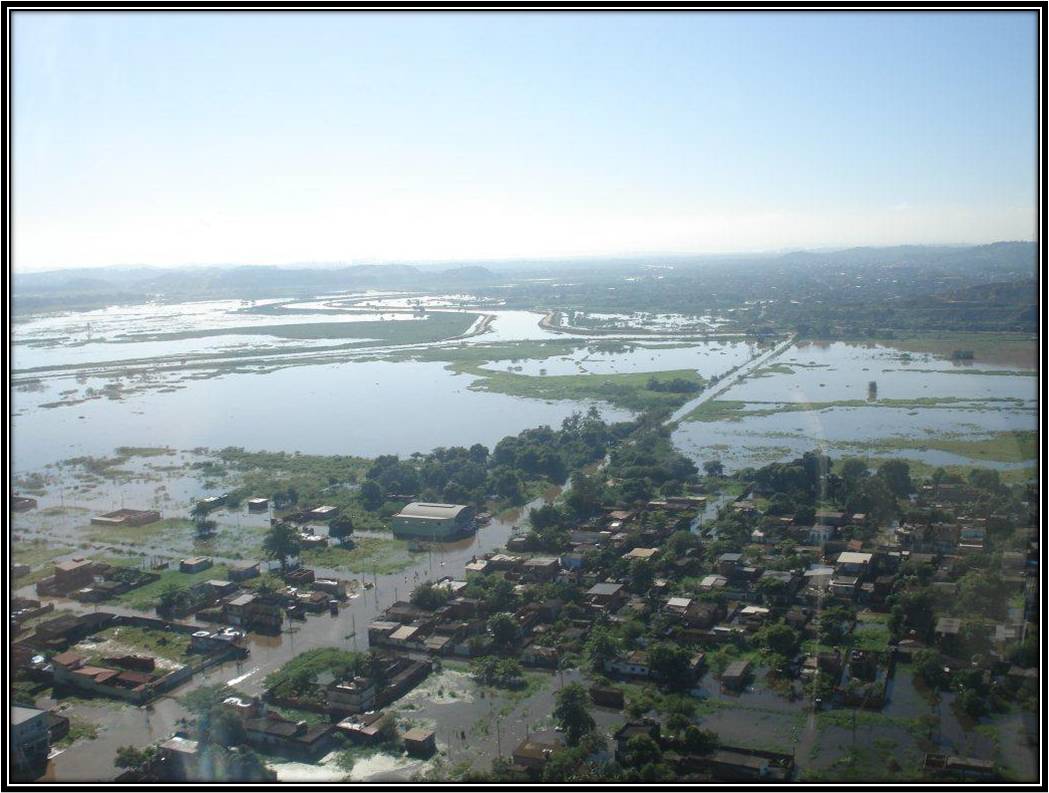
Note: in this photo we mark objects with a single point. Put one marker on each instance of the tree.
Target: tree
(572, 712)
(874, 499)
(584, 496)
(781, 504)
(714, 468)
(281, 543)
(897, 476)
(545, 517)
(670, 665)
(341, 528)
(203, 526)
(370, 495)
(782, 639)
(506, 483)
(429, 597)
(929, 669)
(642, 750)
(699, 741)
(171, 598)
(503, 629)
(601, 647)
(203, 699)
(681, 542)
(835, 623)
(853, 471)
(642, 575)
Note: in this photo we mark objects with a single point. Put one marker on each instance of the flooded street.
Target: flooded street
(138, 726)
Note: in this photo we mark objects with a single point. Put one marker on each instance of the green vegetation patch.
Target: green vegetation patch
(437, 325)
(312, 478)
(774, 369)
(735, 410)
(36, 553)
(1006, 447)
(297, 677)
(160, 644)
(145, 598)
(1016, 349)
(628, 390)
(475, 353)
(118, 534)
(370, 556)
(79, 729)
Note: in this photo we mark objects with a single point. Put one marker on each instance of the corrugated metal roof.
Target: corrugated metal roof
(422, 509)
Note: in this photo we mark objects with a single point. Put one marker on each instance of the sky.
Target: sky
(193, 138)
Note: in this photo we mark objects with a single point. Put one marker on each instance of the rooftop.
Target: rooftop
(422, 509)
(20, 715)
(852, 557)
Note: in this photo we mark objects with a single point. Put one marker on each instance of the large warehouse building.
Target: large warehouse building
(423, 521)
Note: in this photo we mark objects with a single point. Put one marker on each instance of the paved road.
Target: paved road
(737, 376)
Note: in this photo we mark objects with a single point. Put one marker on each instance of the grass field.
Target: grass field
(1014, 349)
(736, 410)
(371, 555)
(436, 326)
(160, 644)
(144, 598)
(40, 557)
(167, 526)
(622, 390)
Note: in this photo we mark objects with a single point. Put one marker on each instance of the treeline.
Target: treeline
(475, 475)
(676, 385)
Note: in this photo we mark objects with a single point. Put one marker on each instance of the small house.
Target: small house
(419, 742)
(194, 564)
(735, 676)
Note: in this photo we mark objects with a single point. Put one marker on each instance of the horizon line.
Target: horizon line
(334, 263)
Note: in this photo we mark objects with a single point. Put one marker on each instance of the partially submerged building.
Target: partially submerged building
(436, 522)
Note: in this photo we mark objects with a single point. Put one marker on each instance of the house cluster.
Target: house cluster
(90, 581)
(263, 610)
(57, 654)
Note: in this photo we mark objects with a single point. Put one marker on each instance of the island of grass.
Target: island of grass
(1014, 446)
(638, 391)
(737, 410)
(124, 534)
(436, 326)
(1015, 349)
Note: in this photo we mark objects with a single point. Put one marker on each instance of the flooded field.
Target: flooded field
(707, 358)
(366, 409)
(219, 373)
(868, 399)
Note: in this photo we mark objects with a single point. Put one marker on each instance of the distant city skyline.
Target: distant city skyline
(170, 139)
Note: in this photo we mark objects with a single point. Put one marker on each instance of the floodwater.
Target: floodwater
(986, 403)
(359, 408)
(707, 358)
(137, 726)
(327, 403)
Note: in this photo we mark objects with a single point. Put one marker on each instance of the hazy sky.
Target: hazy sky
(171, 138)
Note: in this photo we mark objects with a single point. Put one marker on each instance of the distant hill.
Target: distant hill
(942, 273)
